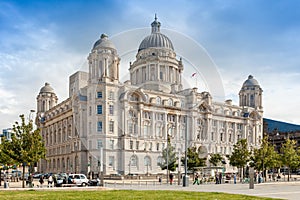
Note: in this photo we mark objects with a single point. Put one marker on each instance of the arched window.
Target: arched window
(252, 103)
(133, 160)
(147, 161)
(170, 102)
(158, 100)
(160, 160)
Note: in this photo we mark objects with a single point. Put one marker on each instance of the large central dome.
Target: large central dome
(156, 39)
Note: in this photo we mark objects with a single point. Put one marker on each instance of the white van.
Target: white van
(79, 179)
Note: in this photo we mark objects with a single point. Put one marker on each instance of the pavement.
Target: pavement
(283, 190)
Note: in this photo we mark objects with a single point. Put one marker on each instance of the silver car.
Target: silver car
(79, 179)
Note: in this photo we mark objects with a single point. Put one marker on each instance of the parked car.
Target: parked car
(79, 179)
(94, 182)
(37, 175)
(58, 180)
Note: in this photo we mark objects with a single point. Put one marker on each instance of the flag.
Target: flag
(194, 74)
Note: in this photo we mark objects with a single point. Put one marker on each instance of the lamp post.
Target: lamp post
(29, 164)
(185, 182)
(168, 142)
(275, 147)
(179, 177)
(101, 166)
(29, 116)
(129, 165)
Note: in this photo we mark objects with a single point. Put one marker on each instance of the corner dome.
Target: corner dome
(250, 82)
(156, 39)
(104, 42)
(47, 89)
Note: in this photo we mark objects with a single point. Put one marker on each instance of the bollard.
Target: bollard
(251, 174)
(6, 184)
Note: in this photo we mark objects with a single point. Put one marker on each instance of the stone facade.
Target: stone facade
(115, 127)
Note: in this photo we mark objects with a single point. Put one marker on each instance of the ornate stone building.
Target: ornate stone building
(115, 127)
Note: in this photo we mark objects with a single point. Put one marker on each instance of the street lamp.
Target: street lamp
(29, 116)
(275, 147)
(28, 164)
(168, 142)
(179, 175)
(185, 182)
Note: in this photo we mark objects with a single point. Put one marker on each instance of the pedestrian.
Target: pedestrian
(50, 180)
(220, 177)
(234, 178)
(41, 181)
(171, 176)
(217, 178)
(196, 179)
(159, 180)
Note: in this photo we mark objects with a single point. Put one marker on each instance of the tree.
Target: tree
(289, 155)
(4, 160)
(265, 157)
(215, 159)
(169, 155)
(193, 159)
(240, 155)
(26, 145)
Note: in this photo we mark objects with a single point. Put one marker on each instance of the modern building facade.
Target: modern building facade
(121, 128)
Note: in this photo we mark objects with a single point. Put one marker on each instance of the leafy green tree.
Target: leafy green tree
(265, 157)
(169, 156)
(240, 155)
(26, 145)
(215, 159)
(289, 155)
(4, 160)
(193, 159)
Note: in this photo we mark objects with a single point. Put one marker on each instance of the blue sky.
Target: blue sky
(47, 41)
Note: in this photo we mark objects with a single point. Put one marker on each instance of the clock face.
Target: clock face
(41, 117)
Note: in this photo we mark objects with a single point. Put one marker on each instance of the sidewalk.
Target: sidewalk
(284, 190)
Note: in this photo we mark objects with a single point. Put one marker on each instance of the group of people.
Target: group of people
(50, 180)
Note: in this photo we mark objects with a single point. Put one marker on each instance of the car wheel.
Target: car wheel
(84, 184)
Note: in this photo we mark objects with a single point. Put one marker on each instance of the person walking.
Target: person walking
(196, 179)
(41, 180)
(220, 177)
(50, 180)
(234, 178)
(171, 176)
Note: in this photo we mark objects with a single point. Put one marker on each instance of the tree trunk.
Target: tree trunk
(23, 175)
(240, 169)
(1, 177)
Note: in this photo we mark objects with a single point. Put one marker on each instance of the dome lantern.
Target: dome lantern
(156, 39)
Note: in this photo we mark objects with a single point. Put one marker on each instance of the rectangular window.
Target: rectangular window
(111, 160)
(90, 127)
(99, 144)
(99, 95)
(90, 111)
(99, 126)
(111, 95)
(137, 145)
(99, 109)
(111, 109)
(130, 127)
(111, 126)
(131, 145)
(157, 147)
(111, 144)
(150, 146)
